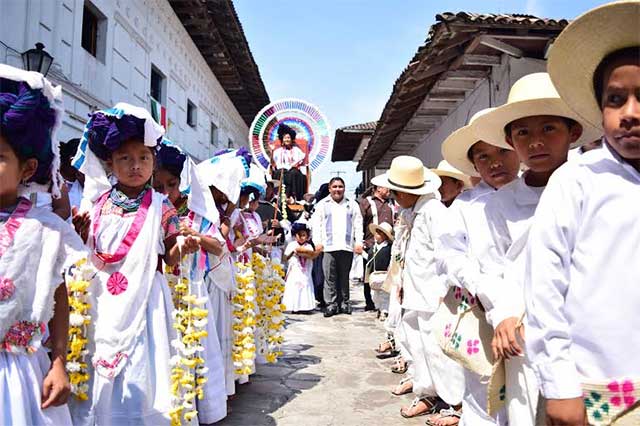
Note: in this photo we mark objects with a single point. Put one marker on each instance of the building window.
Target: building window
(192, 114)
(94, 27)
(157, 85)
(213, 138)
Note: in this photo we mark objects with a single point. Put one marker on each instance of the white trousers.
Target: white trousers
(522, 393)
(395, 313)
(381, 300)
(474, 402)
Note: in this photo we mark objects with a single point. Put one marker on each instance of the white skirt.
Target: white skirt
(223, 318)
(298, 297)
(140, 394)
(21, 378)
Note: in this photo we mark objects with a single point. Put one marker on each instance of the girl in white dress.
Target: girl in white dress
(36, 246)
(298, 291)
(129, 227)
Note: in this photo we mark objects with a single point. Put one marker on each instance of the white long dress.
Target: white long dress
(131, 330)
(31, 264)
(298, 289)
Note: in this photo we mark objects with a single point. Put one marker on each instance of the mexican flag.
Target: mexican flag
(159, 113)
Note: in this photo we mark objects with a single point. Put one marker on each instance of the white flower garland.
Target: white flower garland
(270, 285)
(244, 320)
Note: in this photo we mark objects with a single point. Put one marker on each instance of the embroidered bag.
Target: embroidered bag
(612, 402)
(463, 332)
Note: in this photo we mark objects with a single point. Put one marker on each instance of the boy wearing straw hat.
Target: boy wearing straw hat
(453, 182)
(465, 235)
(539, 126)
(434, 375)
(582, 263)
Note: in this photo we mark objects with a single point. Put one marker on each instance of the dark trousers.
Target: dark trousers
(336, 266)
(295, 182)
(368, 301)
(317, 274)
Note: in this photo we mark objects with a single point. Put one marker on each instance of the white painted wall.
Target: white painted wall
(139, 33)
(489, 93)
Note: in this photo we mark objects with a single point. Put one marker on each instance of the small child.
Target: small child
(36, 246)
(298, 291)
(72, 176)
(130, 228)
(582, 265)
(453, 182)
(539, 126)
(379, 259)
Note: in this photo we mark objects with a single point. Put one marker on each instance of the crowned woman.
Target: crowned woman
(286, 162)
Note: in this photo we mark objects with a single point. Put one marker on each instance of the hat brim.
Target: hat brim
(581, 47)
(455, 148)
(430, 186)
(490, 127)
(373, 228)
(458, 176)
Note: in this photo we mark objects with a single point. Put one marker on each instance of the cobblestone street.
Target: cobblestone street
(327, 376)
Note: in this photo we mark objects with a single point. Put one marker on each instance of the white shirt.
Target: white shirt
(509, 213)
(422, 285)
(286, 158)
(75, 194)
(465, 236)
(337, 226)
(582, 284)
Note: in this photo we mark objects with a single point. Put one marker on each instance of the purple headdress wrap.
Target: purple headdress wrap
(26, 121)
(107, 133)
(170, 158)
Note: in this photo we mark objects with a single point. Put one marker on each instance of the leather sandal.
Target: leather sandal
(400, 386)
(400, 366)
(447, 412)
(431, 407)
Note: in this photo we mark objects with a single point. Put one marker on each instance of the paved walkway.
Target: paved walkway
(327, 376)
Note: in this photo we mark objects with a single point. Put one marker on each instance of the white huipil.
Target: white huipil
(131, 330)
(581, 284)
(434, 373)
(464, 236)
(31, 269)
(298, 290)
(509, 214)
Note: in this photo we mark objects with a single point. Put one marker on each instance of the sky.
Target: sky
(345, 55)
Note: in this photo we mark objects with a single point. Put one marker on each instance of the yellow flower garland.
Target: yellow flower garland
(244, 320)
(270, 286)
(283, 198)
(78, 280)
(188, 371)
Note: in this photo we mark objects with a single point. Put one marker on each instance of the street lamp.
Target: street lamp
(37, 59)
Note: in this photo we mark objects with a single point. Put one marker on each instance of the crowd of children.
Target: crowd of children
(515, 303)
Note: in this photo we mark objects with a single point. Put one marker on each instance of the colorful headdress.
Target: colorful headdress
(225, 171)
(255, 184)
(29, 119)
(283, 129)
(199, 198)
(105, 132)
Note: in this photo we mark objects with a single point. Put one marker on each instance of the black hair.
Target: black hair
(68, 150)
(570, 122)
(598, 75)
(283, 130)
(336, 178)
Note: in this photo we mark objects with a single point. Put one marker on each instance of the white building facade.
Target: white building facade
(135, 51)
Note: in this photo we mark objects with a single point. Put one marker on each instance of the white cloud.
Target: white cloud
(534, 7)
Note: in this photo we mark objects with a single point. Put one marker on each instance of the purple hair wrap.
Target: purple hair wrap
(26, 121)
(170, 158)
(107, 133)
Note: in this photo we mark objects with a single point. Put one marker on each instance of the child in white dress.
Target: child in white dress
(298, 291)
(36, 246)
(129, 228)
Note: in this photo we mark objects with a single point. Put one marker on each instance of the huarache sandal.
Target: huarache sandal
(390, 352)
(404, 387)
(400, 366)
(419, 407)
(447, 417)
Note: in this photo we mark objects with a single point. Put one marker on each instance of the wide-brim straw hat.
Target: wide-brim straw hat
(531, 95)
(457, 145)
(446, 169)
(582, 46)
(408, 174)
(384, 227)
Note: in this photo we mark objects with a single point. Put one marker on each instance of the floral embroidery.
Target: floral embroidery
(7, 288)
(108, 369)
(458, 293)
(447, 330)
(117, 283)
(624, 391)
(456, 339)
(23, 335)
(472, 346)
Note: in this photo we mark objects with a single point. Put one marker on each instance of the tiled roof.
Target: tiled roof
(217, 32)
(460, 50)
(348, 139)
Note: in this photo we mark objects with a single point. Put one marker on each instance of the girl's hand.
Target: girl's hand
(505, 342)
(191, 245)
(187, 231)
(566, 412)
(55, 388)
(81, 223)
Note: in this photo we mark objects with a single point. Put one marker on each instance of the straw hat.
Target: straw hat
(457, 145)
(408, 174)
(583, 44)
(532, 94)
(384, 227)
(446, 169)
